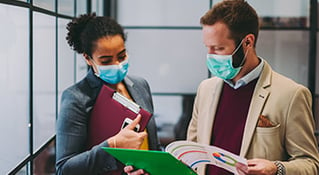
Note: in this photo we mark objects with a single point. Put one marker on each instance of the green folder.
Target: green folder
(154, 162)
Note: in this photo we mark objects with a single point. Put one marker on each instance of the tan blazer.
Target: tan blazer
(285, 103)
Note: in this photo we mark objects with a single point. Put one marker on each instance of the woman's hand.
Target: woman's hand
(130, 171)
(127, 137)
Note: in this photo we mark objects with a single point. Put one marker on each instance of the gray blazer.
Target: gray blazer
(72, 156)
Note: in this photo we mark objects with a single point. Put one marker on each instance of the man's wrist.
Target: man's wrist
(281, 170)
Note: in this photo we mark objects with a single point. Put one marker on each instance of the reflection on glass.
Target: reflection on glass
(44, 78)
(44, 163)
(172, 115)
(66, 7)
(14, 86)
(46, 4)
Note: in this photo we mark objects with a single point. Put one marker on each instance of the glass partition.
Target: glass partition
(81, 67)
(46, 4)
(171, 60)
(44, 78)
(286, 52)
(81, 7)
(283, 13)
(161, 13)
(97, 7)
(66, 7)
(65, 60)
(14, 86)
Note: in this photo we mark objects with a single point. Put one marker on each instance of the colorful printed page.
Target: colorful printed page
(195, 154)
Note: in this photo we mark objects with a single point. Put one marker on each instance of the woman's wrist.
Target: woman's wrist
(111, 142)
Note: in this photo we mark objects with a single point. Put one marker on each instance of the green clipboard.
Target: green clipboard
(154, 162)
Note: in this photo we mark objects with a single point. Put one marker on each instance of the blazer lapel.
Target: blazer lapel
(256, 106)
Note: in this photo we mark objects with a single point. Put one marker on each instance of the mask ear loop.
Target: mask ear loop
(239, 45)
(96, 67)
(243, 60)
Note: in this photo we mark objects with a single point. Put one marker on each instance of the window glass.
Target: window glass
(81, 67)
(171, 60)
(97, 6)
(44, 163)
(14, 86)
(167, 110)
(81, 7)
(66, 64)
(286, 52)
(274, 13)
(44, 78)
(66, 7)
(161, 13)
(172, 114)
(46, 4)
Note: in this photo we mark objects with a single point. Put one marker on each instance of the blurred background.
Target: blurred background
(165, 47)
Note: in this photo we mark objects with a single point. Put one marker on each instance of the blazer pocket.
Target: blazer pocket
(268, 130)
(266, 143)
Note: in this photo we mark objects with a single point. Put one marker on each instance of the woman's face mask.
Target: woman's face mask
(112, 74)
(222, 65)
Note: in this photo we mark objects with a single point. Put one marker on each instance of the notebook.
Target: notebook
(112, 112)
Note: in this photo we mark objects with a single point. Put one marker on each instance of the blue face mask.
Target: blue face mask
(222, 65)
(112, 74)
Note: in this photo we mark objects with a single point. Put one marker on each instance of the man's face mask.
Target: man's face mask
(222, 65)
(112, 74)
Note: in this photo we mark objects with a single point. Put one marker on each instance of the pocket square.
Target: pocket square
(263, 121)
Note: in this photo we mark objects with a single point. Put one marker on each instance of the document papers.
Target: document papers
(195, 154)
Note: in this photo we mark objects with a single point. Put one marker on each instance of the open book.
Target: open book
(180, 157)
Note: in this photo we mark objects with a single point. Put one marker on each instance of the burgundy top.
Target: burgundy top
(230, 121)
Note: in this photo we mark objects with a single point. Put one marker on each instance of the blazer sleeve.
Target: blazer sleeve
(71, 136)
(300, 141)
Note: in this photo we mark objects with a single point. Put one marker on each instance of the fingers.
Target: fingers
(135, 122)
(130, 171)
(241, 168)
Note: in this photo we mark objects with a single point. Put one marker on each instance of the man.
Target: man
(247, 108)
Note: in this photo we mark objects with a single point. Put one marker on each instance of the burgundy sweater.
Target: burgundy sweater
(230, 120)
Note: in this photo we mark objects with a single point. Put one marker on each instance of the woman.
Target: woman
(101, 40)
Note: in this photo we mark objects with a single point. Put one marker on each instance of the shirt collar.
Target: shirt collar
(247, 78)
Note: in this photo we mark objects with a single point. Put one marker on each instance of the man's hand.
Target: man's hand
(257, 167)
